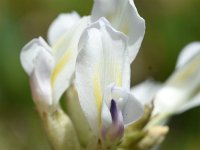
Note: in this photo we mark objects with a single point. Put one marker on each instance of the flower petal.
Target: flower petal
(65, 52)
(62, 24)
(131, 108)
(194, 102)
(100, 62)
(190, 51)
(38, 62)
(124, 17)
(106, 118)
(30, 51)
(180, 87)
(146, 91)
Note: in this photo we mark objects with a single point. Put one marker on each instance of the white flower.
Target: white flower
(102, 68)
(123, 16)
(181, 91)
(51, 68)
(103, 81)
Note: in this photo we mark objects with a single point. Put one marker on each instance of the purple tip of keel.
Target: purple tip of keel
(117, 119)
(115, 131)
(114, 111)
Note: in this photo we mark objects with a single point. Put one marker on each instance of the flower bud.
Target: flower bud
(60, 130)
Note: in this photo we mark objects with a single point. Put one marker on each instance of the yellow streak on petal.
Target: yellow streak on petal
(60, 65)
(58, 43)
(186, 73)
(125, 30)
(98, 94)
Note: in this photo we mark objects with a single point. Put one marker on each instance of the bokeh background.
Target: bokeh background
(171, 24)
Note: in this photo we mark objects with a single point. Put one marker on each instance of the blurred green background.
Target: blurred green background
(171, 24)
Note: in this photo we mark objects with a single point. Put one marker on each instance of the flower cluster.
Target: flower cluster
(89, 59)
